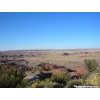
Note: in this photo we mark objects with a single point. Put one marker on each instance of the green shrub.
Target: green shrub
(73, 83)
(91, 65)
(47, 83)
(10, 77)
(61, 79)
(23, 84)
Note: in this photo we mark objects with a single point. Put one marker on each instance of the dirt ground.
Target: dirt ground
(67, 58)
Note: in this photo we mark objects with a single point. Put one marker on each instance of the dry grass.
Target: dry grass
(56, 57)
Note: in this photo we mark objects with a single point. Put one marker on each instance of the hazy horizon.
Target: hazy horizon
(51, 49)
(61, 30)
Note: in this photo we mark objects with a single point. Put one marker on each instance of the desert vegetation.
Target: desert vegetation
(49, 69)
(11, 77)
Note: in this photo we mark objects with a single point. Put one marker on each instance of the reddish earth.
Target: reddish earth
(59, 71)
(46, 67)
(56, 69)
(77, 71)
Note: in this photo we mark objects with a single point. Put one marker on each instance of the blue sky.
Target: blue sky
(19, 31)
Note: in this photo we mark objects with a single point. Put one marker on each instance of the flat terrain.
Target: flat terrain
(67, 58)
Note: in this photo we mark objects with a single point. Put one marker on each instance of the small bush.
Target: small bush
(94, 80)
(73, 83)
(60, 79)
(91, 65)
(47, 83)
(37, 85)
(23, 84)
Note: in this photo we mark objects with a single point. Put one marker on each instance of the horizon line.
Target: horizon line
(48, 49)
